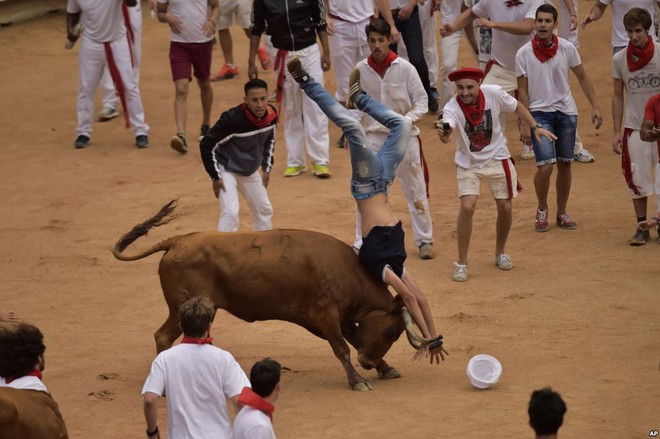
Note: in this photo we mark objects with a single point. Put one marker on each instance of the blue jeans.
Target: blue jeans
(372, 172)
(563, 126)
(411, 34)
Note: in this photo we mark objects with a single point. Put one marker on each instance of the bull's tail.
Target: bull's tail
(164, 216)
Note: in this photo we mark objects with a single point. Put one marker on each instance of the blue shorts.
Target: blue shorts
(564, 126)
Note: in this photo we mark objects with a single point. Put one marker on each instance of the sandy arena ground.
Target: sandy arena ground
(580, 312)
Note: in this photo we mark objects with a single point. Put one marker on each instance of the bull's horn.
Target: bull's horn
(414, 338)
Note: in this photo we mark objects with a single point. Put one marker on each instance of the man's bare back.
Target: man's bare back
(376, 211)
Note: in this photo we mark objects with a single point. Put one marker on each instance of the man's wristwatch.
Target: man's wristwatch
(537, 126)
(153, 432)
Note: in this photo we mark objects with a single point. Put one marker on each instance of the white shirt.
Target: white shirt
(449, 11)
(484, 36)
(25, 383)
(506, 45)
(400, 90)
(619, 9)
(251, 423)
(193, 15)
(547, 83)
(354, 11)
(638, 85)
(102, 20)
(398, 4)
(198, 379)
(487, 142)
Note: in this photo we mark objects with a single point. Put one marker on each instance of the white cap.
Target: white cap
(484, 371)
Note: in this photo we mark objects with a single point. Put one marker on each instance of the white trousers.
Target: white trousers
(92, 60)
(643, 160)
(305, 125)
(349, 46)
(254, 192)
(108, 93)
(449, 46)
(427, 23)
(411, 178)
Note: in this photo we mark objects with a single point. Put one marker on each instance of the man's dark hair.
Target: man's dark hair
(195, 316)
(548, 9)
(20, 348)
(637, 16)
(254, 83)
(546, 411)
(379, 26)
(264, 376)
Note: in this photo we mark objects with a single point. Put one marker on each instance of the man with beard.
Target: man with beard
(482, 154)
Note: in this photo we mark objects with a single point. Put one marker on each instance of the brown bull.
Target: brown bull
(29, 414)
(299, 276)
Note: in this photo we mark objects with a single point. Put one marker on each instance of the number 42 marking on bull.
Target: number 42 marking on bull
(653, 433)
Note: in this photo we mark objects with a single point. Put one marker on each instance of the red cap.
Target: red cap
(466, 73)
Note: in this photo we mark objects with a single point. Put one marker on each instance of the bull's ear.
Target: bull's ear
(396, 306)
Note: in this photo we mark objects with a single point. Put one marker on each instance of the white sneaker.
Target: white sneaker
(584, 156)
(461, 272)
(108, 113)
(504, 262)
(527, 152)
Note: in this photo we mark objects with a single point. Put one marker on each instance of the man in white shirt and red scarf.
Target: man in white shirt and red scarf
(542, 67)
(22, 357)
(636, 71)
(482, 154)
(396, 84)
(34, 414)
(104, 41)
(255, 420)
(198, 377)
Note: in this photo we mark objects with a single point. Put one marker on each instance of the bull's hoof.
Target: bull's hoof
(362, 387)
(390, 374)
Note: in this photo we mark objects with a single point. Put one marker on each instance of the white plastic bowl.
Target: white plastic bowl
(484, 371)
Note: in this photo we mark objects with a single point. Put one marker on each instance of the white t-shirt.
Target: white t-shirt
(198, 380)
(547, 83)
(102, 20)
(449, 11)
(400, 90)
(639, 85)
(354, 11)
(479, 145)
(251, 423)
(193, 15)
(619, 9)
(25, 383)
(506, 45)
(483, 35)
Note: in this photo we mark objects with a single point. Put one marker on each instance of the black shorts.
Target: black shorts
(384, 247)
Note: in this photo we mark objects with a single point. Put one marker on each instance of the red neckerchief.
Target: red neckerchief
(473, 113)
(32, 373)
(264, 121)
(251, 399)
(387, 62)
(638, 58)
(511, 3)
(197, 340)
(544, 50)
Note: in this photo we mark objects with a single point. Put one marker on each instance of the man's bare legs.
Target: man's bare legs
(206, 93)
(563, 185)
(503, 226)
(464, 225)
(181, 87)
